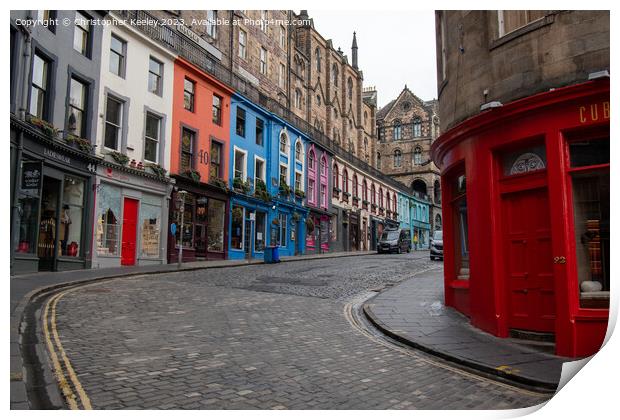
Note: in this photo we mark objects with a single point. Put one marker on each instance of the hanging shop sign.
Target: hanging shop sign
(31, 175)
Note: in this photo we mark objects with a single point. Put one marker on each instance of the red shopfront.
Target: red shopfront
(526, 217)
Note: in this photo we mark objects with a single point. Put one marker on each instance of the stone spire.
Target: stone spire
(354, 51)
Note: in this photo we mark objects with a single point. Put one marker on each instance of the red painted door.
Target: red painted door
(130, 222)
(528, 258)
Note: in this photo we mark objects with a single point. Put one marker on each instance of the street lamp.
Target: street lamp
(181, 200)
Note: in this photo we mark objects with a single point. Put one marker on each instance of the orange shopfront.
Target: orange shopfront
(526, 217)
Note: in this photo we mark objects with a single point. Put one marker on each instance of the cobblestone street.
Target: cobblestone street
(257, 337)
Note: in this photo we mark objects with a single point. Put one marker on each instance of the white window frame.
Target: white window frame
(282, 164)
(301, 180)
(263, 175)
(245, 163)
(119, 128)
(282, 37)
(287, 145)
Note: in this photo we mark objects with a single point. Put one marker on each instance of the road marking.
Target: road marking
(64, 386)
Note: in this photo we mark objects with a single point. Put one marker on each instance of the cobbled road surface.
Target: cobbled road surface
(257, 337)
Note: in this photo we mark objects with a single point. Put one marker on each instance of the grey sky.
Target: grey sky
(396, 48)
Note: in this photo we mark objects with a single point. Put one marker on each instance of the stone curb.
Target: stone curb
(479, 368)
(18, 390)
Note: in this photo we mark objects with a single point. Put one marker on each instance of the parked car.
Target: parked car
(398, 240)
(437, 245)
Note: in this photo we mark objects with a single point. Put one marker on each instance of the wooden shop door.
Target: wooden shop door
(130, 223)
(528, 260)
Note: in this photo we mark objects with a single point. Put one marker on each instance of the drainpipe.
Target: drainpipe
(20, 139)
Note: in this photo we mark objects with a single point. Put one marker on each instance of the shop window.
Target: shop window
(283, 229)
(28, 207)
(461, 231)
(188, 222)
(533, 158)
(150, 215)
(237, 228)
(261, 225)
(591, 196)
(216, 214)
(70, 234)
(108, 220)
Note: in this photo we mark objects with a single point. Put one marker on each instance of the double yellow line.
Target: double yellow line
(72, 386)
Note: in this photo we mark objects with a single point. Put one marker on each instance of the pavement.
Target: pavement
(26, 287)
(413, 313)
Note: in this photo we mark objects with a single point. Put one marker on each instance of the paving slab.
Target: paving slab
(413, 312)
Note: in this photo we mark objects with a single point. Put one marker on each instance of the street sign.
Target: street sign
(173, 228)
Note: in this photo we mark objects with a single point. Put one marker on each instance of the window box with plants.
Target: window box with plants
(120, 158)
(241, 186)
(381, 210)
(365, 204)
(300, 194)
(219, 182)
(158, 170)
(356, 200)
(260, 191)
(193, 174)
(44, 126)
(336, 192)
(285, 190)
(82, 144)
(345, 196)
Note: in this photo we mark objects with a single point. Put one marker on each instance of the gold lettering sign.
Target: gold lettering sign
(594, 112)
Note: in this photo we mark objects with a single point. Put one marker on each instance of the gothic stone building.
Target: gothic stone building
(406, 127)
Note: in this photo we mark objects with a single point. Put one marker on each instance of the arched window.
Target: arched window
(335, 176)
(283, 143)
(311, 160)
(437, 191)
(350, 88)
(317, 59)
(397, 130)
(417, 156)
(397, 158)
(417, 127)
(351, 146)
(323, 166)
(394, 201)
(335, 75)
(378, 160)
(380, 197)
(364, 190)
(299, 153)
(345, 181)
(438, 222)
(298, 98)
(387, 196)
(365, 144)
